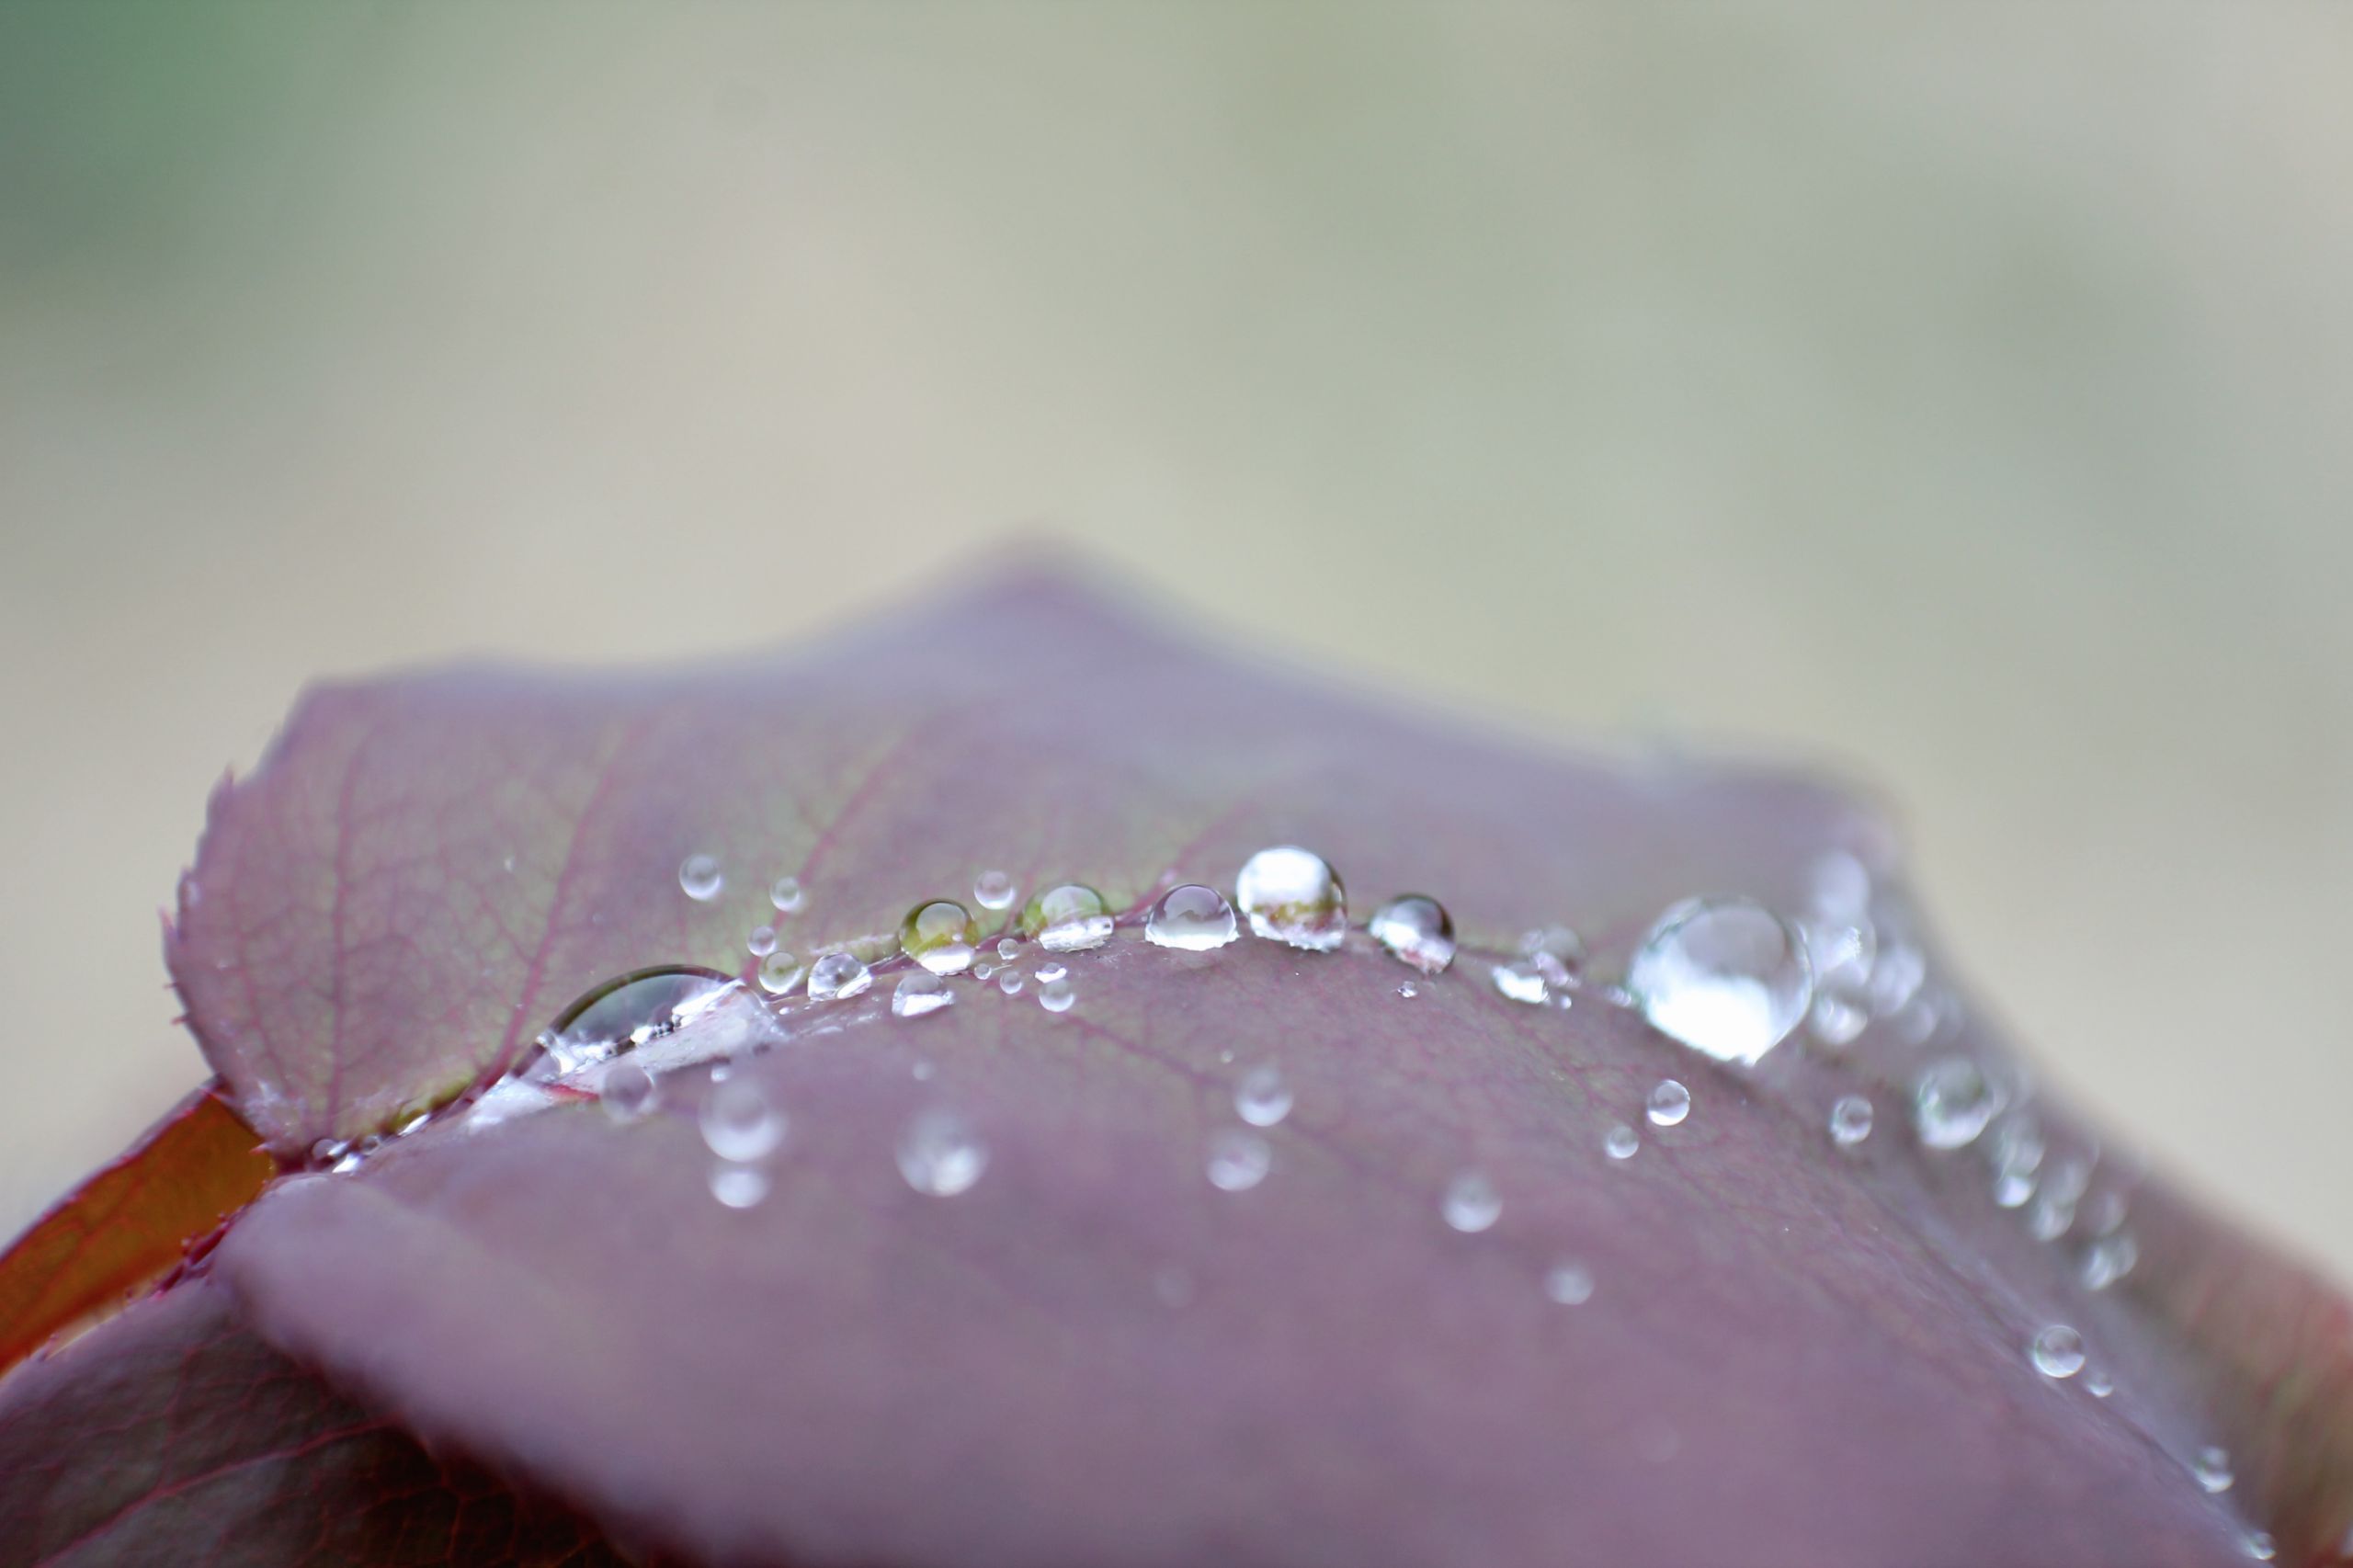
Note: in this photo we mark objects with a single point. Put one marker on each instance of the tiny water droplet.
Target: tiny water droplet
(1067, 919)
(1571, 1284)
(2098, 1384)
(1292, 895)
(1408, 990)
(327, 1151)
(1837, 1017)
(1193, 918)
(939, 936)
(2058, 1351)
(2105, 1212)
(2260, 1546)
(1850, 1120)
(1622, 1143)
(1049, 972)
(993, 889)
(700, 876)
(1670, 1102)
(1415, 930)
(1896, 974)
(627, 1091)
(1521, 980)
(1558, 954)
(1470, 1203)
(919, 991)
(631, 1009)
(1008, 980)
(1055, 995)
(786, 895)
(2108, 1259)
(1952, 1102)
(1261, 1097)
(738, 1123)
(2013, 1190)
(2050, 1217)
(736, 1185)
(781, 972)
(2212, 1469)
(983, 969)
(761, 942)
(1238, 1159)
(838, 976)
(1725, 976)
(1007, 950)
(939, 1154)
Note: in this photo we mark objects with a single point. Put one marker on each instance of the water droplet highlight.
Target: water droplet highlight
(939, 936)
(1238, 1159)
(1622, 1143)
(786, 895)
(919, 991)
(2058, 1351)
(1191, 918)
(1415, 930)
(627, 1091)
(738, 1123)
(1049, 972)
(1261, 1097)
(838, 976)
(2212, 1468)
(1571, 1284)
(1521, 980)
(1470, 1203)
(993, 889)
(1067, 919)
(1952, 1102)
(1292, 895)
(1055, 995)
(781, 972)
(1725, 976)
(939, 1154)
(1850, 1120)
(1670, 1102)
(738, 1185)
(1408, 990)
(700, 876)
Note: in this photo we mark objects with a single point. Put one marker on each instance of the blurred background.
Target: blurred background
(1961, 397)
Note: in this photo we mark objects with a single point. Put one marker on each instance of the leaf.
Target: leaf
(172, 1436)
(1792, 1354)
(129, 1223)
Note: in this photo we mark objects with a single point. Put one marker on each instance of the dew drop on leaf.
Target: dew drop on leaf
(1670, 1102)
(2058, 1351)
(630, 1009)
(1569, 1283)
(781, 972)
(939, 936)
(738, 1124)
(1007, 950)
(1954, 1102)
(1049, 972)
(1725, 976)
(2260, 1546)
(736, 1185)
(1416, 930)
(700, 876)
(1261, 1097)
(1238, 1159)
(1850, 1120)
(920, 992)
(627, 1091)
(1055, 995)
(1192, 919)
(838, 976)
(1470, 1203)
(1292, 895)
(786, 895)
(2108, 1259)
(939, 1154)
(993, 889)
(1557, 952)
(1622, 1142)
(1008, 980)
(1521, 980)
(2212, 1469)
(1067, 919)
(761, 942)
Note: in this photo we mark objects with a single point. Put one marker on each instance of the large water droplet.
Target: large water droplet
(2212, 1469)
(738, 1123)
(1622, 1143)
(1291, 896)
(738, 1185)
(919, 991)
(786, 895)
(1952, 1102)
(1416, 930)
(940, 1153)
(1055, 995)
(1470, 1203)
(627, 1090)
(1193, 918)
(1569, 1283)
(1238, 1159)
(1670, 1102)
(2108, 1259)
(838, 976)
(631, 1009)
(1067, 919)
(700, 876)
(1522, 982)
(1261, 1097)
(1725, 976)
(2058, 1351)
(1850, 1120)
(939, 936)
(781, 972)
(993, 889)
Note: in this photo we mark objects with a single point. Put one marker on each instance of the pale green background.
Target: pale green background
(1957, 394)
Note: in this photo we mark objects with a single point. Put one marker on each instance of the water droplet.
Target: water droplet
(1408, 990)
(627, 1091)
(630, 1009)
(1470, 1203)
(1571, 1284)
(1191, 917)
(2098, 1384)
(940, 1153)
(2013, 1190)
(1008, 981)
(2108, 1259)
(1007, 948)
(1850, 1120)
(983, 969)
(700, 876)
(738, 1185)
(1725, 976)
(1055, 995)
(1239, 1159)
(2058, 1351)
(738, 1123)
(1262, 1098)
(838, 976)
(786, 895)
(1049, 972)
(2260, 1546)
(2105, 1212)
(1896, 974)
(919, 991)
(993, 889)
(781, 972)
(1670, 1103)
(939, 936)
(1521, 982)
(1416, 930)
(1291, 896)
(2050, 1217)
(1837, 1017)
(1952, 1102)
(2212, 1469)
(1622, 1142)
(327, 1151)
(1067, 919)
(761, 942)
(1557, 952)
